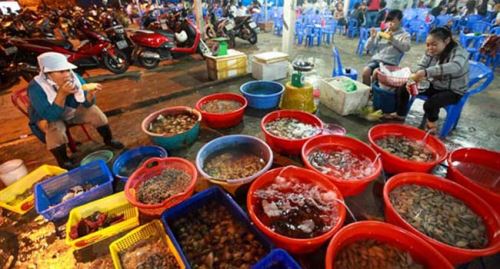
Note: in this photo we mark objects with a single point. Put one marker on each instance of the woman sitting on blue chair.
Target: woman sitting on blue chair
(445, 65)
(389, 47)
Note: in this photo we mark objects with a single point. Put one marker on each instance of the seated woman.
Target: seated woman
(57, 97)
(445, 64)
(389, 47)
(339, 16)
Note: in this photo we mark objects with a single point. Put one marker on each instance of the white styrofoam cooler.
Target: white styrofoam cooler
(270, 66)
(342, 102)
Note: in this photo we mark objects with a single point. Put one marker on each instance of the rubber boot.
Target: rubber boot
(62, 157)
(105, 132)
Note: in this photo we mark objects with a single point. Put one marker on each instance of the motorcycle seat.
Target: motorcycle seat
(52, 42)
(168, 34)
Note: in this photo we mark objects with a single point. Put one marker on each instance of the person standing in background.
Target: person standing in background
(372, 13)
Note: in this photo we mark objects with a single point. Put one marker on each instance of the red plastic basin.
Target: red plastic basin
(347, 187)
(222, 120)
(420, 250)
(285, 145)
(154, 167)
(294, 245)
(488, 158)
(394, 164)
(479, 206)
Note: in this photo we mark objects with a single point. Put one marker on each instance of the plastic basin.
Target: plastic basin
(222, 120)
(154, 167)
(134, 157)
(488, 158)
(104, 155)
(285, 145)
(262, 94)
(253, 144)
(295, 245)
(387, 233)
(479, 206)
(347, 187)
(174, 141)
(394, 164)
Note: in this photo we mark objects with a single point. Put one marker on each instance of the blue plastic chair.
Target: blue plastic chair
(364, 34)
(352, 28)
(329, 31)
(299, 32)
(477, 73)
(472, 44)
(420, 29)
(278, 26)
(309, 33)
(480, 27)
(468, 22)
(338, 70)
(442, 20)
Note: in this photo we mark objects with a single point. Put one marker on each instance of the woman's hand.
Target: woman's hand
(91, 94)
(68, 88)
(419, 75)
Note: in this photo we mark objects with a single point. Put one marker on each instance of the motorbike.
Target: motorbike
(117, 34)
(231, 27)
(173, 36)
(94, 51)
(10, 69)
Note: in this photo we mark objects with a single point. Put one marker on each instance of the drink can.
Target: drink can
(413, 88)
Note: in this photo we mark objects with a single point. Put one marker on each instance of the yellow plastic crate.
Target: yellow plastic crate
(154, 228)
(8, 194)
(115, 204)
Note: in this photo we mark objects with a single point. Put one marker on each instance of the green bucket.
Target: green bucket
(105, 155)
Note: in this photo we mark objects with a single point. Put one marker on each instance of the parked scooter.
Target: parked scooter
(10, 69)
(94, 51)
(231, 27)
(178, 35)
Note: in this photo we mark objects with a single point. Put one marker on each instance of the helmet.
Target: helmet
(181, 37)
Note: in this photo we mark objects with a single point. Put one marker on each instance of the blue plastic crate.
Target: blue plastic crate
(278, 258)
(49, 193)
(383, 99)
(200, 199)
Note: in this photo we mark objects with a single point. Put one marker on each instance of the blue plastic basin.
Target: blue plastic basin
(262, 94)
(131, 159)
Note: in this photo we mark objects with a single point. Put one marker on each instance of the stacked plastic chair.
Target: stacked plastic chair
(329, 30)
(442, 20)
(477, 72)
(419, 29)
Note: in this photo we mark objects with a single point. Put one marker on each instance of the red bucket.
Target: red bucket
(222, 120)
(294, 245)
(488, 158)
(420, 250)
(394, 164)
(454, 254)
(347, 187)
(285, 145)
(154, 167)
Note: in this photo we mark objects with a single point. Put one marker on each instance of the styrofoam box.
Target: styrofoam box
(340, 101)
(272, 71)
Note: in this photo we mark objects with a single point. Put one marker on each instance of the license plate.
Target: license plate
(121, 44)
(229, 26)
(252, 25)
(119, 30)
(10, 50)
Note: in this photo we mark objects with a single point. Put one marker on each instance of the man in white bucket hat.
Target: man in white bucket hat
(57, 97)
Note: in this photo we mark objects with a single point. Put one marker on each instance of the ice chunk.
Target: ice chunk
(271, 209)
(307, 226)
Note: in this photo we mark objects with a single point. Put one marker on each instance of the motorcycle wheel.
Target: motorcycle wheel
(114, 66)
(253, 37)
(148, 63)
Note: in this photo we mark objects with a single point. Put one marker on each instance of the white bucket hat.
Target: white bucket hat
(53, 61)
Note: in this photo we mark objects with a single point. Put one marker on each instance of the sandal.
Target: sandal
(393, 116)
